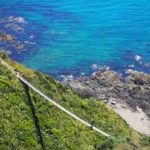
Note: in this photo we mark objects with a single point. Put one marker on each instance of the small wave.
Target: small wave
(65, 78)
(137, 57)
(30, 43)
(82, 74)
(94, 66)
(131, 66)
(32, 36)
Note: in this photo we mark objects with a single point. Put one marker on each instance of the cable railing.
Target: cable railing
(52, 101)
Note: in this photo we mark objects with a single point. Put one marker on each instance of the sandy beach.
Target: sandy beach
(136, 119)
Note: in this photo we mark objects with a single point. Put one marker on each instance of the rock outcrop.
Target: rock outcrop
(109, 86)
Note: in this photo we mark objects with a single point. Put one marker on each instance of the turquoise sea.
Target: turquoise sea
(63, 37)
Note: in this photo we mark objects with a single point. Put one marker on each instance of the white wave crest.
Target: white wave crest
(137, 57)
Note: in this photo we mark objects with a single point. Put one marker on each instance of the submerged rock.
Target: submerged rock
(6, 37)
(107, 85)
(14, 27)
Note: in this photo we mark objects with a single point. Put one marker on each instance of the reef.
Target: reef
(6, 37)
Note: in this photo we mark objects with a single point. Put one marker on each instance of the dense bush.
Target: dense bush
(22, 121)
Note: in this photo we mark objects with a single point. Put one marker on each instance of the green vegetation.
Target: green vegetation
(27, 121)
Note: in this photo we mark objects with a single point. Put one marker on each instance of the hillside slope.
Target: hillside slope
(28, 121)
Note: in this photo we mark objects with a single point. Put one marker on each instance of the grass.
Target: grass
(59, 131)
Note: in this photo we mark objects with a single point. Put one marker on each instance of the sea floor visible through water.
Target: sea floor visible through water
(77, 37)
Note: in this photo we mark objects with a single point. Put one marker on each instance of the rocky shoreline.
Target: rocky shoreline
(108, 85)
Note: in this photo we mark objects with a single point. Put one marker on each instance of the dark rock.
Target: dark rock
(107, 85)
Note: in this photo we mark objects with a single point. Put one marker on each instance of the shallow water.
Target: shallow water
(62, 37)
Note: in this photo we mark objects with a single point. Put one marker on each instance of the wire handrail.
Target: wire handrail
(52, 101)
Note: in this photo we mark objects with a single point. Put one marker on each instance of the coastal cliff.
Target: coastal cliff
(29, 121)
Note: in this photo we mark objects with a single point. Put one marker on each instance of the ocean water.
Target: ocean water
(63, 37)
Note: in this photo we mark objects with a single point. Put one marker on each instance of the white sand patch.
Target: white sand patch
(136, 119)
